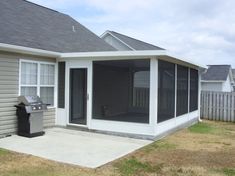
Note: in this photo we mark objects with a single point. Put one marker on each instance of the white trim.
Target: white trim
(213, 81)
(199, 96)
(77, 55)
(109, 33)
(19, 81)
(28, 50)
(156, 93)
(176, 71)
(153, 91)
(163, 54)
(73, 65)
(102, 35)
(38, 85)
(114, 54)
(189, 90)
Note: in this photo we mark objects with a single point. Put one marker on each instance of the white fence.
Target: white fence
(218, 106)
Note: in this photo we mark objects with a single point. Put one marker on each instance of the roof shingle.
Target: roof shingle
(27, 24)
(216, 73)
(134, 43)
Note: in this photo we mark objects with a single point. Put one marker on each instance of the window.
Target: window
(193, 90)
(37, 78)
(182, 90)
(166, 91)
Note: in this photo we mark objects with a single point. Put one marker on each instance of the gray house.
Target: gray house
(218, 78)
(86, 81)
(125, 43)
(233, 71)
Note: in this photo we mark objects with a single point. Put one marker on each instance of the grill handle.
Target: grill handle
(19, 106)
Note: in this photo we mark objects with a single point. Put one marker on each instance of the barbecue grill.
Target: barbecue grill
(30, 116)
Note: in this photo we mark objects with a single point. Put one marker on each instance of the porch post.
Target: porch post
(153, 92)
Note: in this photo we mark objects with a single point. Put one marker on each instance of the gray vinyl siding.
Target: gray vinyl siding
(49, 118)
(9, 87)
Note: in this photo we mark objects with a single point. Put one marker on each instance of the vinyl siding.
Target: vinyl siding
(211, 86)
(9, 86)
(116, 43)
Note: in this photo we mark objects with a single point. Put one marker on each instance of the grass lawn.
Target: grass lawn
(205, 149)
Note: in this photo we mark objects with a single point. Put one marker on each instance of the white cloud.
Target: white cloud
(203, 30)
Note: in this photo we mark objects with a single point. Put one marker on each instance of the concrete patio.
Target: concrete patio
(74, 147)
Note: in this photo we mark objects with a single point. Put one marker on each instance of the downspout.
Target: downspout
(200, 72)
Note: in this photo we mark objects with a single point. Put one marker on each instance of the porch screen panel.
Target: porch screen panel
(182, 90)
(121, 90)
(166, 90)
(193, 90)
(61, 84)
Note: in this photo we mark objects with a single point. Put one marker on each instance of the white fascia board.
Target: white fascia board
(180, 58)
(118, 39)
(104, 54)
(113, 54)
(27, 50)
(212, 81)
(116, 54)
(104, 34)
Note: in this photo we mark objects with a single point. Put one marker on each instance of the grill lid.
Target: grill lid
(32, 103)
(30, 100)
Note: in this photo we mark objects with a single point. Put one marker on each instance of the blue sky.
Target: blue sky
(200, 30)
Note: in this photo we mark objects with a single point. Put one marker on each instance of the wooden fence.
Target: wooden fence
(218, 106)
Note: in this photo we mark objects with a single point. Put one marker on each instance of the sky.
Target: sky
(200, 30)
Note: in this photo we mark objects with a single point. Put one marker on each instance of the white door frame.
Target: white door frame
(79, 64)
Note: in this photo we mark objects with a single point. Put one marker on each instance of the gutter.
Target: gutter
(213, 81)
(103, 54)
(27, 50)
(139, 53)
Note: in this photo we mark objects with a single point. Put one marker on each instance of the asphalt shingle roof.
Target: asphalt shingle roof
(216, 73)
(27, 24)
(233, 71)
(134, 43)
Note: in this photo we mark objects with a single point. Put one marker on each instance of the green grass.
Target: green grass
(225, 171)
(229, 172)
(159, 145)
(3, 152)
(134, 167)
(202, 128)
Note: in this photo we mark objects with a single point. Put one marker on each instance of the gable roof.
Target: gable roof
(132, 43)
(216, 73)
(30, 25)
(233, 72)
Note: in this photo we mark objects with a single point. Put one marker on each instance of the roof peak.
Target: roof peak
(131, 42)
(132, 38)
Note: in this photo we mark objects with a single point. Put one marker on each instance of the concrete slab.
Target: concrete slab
(74, 147)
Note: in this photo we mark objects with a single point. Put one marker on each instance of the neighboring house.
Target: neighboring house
(218, 78)
(125, 43)
(233, 71)
(87, 82)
